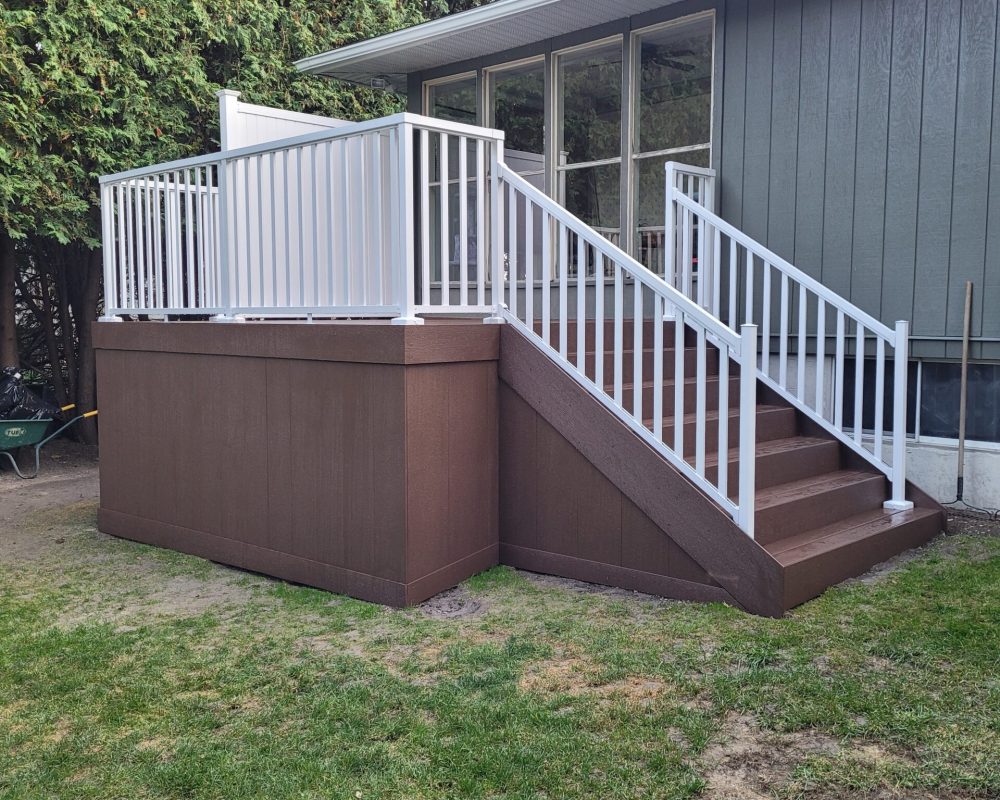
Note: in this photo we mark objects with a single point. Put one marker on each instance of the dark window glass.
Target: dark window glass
(868, 397)
(675, 86)
(454, 101)
(590, 87)
(940, 398)
(518, 96)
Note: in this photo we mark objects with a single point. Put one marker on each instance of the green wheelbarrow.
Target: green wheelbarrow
(15, 433)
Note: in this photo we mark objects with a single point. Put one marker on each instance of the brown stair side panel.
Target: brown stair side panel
(664, 527)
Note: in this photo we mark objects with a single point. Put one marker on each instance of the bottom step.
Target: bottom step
(817, 559)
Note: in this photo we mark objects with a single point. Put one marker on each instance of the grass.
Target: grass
(128, 672)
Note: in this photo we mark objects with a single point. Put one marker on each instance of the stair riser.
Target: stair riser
(811, 577)
(628, 364)
(690, 397)
(770, 425)
(821, 507)
(609, 334)
(789, 465)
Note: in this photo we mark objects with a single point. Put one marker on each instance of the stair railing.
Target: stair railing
(552, 257)
(383, 218)
(740, 281)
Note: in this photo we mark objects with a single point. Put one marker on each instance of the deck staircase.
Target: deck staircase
(819, 509)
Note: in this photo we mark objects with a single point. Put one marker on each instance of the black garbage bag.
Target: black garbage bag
(17, 401)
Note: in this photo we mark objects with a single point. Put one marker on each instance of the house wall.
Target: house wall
(856, 139)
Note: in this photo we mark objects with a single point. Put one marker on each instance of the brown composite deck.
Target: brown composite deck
(391, 462)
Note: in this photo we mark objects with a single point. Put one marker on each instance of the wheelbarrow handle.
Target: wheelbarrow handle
(73, 421)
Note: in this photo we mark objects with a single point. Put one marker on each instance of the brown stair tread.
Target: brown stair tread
(769, 447)
(843, 533)
(786, 492)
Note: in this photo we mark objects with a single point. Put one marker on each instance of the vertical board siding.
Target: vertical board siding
(972, 154)
(870, 169)
(841, 150)
(810, 174)
(734, 111)
(903, 158)
(860, 142)
(757, 145)
(990, 293)
(937, 161)
(784, 126)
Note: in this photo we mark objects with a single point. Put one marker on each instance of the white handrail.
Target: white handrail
(539, 235)
(743, 281)
(324, 224)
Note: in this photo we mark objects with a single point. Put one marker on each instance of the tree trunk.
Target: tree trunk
(8, 320)
(85, 314)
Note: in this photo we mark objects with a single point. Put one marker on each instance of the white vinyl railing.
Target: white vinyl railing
(326, 224)
(739, 280)
(625, 350)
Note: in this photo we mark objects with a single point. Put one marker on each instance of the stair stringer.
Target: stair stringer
(680, 512)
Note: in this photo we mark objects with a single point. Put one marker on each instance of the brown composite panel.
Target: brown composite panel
(556, 438)
(293, 450)
(390, 463)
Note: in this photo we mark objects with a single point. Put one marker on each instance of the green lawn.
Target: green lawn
(127, 672)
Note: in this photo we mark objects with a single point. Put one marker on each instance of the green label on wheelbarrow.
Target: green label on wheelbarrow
(22, 433)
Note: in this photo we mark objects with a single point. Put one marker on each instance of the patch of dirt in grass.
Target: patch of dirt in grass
(747, 763)
(177, 597)
(455, 603)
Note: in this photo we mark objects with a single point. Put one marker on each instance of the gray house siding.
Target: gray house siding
(855, 141)
(860, 139)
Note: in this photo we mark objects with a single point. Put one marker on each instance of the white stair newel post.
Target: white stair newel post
(748, 428)
(669, 235)
(405, 230)
(899, 386)
(496, 233)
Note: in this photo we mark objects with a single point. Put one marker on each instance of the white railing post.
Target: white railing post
(228, 118)
(669, 235)
(496, 234)
(225, 291)
(748, 428)
(900, 377)
(107, 251)
(406, 278)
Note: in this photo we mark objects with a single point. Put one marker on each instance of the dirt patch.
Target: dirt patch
(455, 603)
(747, 763)
(177, 597)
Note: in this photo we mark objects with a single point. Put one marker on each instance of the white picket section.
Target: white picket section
(324, 224)
(642, 310)
(796, 315)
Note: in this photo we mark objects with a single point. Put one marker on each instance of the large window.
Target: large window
(589, 130)
(573, 149)
(673, 119)
(516, 105)
(455, 99)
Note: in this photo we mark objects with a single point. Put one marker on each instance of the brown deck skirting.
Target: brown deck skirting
(361, 458)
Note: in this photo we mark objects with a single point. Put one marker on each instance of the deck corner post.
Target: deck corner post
(406, 264)
(748, 429)
(899, 392)
(496, 235)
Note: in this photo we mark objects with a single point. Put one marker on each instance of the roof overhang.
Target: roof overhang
(494, 28)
